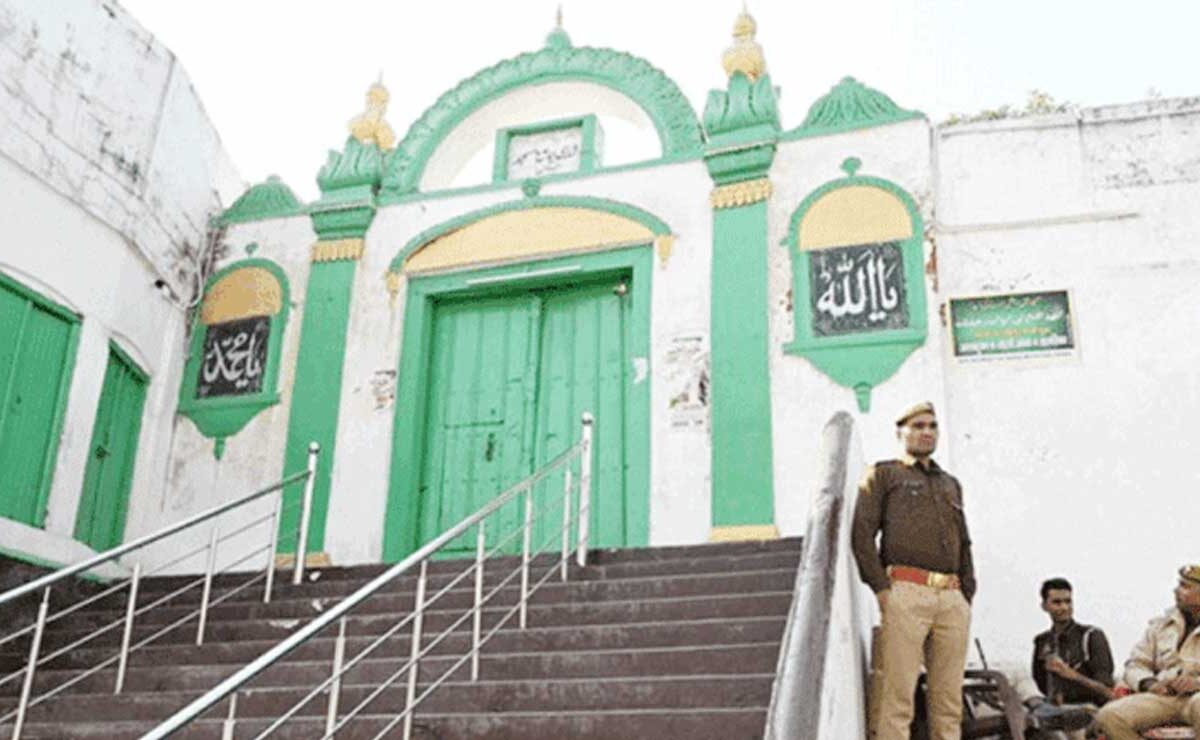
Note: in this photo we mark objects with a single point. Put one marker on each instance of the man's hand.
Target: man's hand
(882, 597)
(1162, 688)
(1183, 685)
(1058, 667)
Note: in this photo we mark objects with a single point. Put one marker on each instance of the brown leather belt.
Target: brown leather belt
(930, 578)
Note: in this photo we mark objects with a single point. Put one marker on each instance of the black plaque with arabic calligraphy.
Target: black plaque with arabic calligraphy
(857, 289)
(235, 357)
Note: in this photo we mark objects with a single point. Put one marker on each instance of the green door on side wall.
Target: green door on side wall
(109, 475)
(510, 377)
(37, 352)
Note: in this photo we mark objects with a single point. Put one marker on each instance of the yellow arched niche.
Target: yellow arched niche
(513, 235)
(247, 291)
(856, 214)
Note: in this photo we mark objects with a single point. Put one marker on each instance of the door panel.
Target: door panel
(100, 522)
(583, 362)
(480, 388)
(509, 379)
(34, 365)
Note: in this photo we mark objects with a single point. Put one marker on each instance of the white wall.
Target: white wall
(98, 109)
(804, 398)
(109, 169)
(60, 251)
(254, 456)
(1080, 467)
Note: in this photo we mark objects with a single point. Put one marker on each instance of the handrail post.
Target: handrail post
(477, 616)
(415, 651)
(585, 486)
(525, 537)
(127, 636)
(566, 525)
(34, 647)
(230, 723)
(306, 513)
(335, 688)
(209, 569)
(269, 585)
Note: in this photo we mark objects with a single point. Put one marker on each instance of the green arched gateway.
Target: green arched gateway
(678, 128)
(499, 361)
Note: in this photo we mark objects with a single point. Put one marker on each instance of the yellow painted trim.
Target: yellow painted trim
(741, 193)
(663, 246)
(311, 560)
(240, 293)
(393, 283)
(525, 233)
(857, 214)
(337, 250)
(744, 533)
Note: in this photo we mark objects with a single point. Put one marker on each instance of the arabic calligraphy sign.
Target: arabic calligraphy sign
(545, 152)
(235, 355)
(1025, 323)
(857, 289)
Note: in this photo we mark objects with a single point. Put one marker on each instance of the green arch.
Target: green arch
(678, 127)
(859, 361)
(647, 219)
(223, 417)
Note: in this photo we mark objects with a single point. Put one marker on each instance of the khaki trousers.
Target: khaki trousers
(1125, 718)
(921, 625)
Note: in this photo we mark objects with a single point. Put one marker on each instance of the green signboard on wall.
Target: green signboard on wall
(1013, 324)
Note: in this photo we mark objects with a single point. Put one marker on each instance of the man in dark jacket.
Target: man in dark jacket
(923, 577)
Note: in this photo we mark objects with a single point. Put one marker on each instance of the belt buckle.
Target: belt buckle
(938, 580)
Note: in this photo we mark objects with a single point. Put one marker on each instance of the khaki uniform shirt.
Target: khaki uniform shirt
(919, 512)
(1159, 655)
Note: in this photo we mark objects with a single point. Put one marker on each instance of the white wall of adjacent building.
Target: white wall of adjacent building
(109, 168)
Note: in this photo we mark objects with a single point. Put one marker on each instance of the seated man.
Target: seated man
(1164, 668)
(1072, 663)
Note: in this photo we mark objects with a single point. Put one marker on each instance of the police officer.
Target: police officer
(922, 574)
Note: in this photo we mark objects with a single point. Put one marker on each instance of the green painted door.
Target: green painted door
(37, 351)
(100, 522)
(583, 367)
(509, 378)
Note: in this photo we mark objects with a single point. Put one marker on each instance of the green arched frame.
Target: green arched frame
(400, 530)
(863, 360)
(220, 418)
(678, 127)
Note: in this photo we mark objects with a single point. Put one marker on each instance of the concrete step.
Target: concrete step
(667, 557)
(542, 615)
(755, 657)
(573, 637)
(460, 597)
(464, 697)
(621, 724)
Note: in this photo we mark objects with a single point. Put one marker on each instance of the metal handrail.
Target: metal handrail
(419, 559)
(46, 583)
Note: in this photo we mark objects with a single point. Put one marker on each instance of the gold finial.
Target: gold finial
(369, 127)
(558, 17)
(745, 55)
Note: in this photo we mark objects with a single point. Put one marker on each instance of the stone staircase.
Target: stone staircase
(675, 642)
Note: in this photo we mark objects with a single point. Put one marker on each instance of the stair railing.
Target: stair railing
(39, 657)
(821, 675)
(574, 514)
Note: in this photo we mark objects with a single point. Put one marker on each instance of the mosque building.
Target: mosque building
(563, 232)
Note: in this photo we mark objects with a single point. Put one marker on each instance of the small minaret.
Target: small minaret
(370, 126)
(745, 55)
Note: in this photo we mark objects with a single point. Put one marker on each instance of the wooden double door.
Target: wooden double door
(509, 377)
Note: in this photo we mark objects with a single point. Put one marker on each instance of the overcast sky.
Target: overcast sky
(281, 78)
